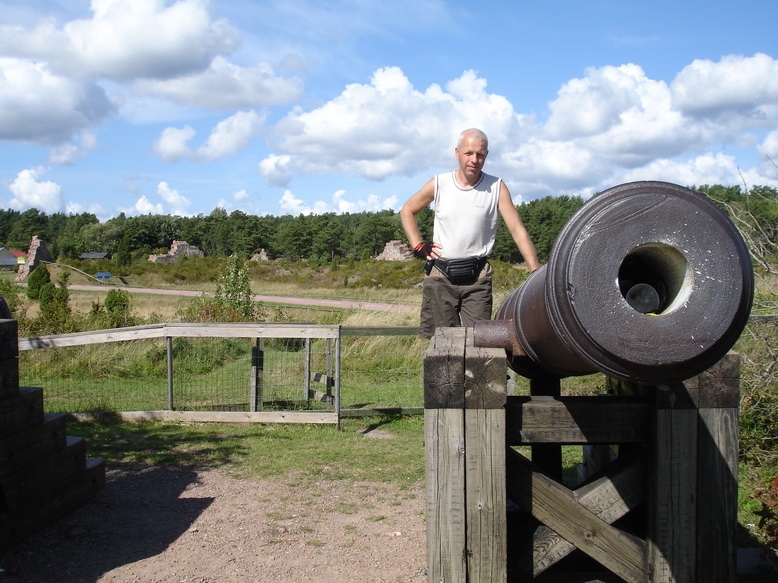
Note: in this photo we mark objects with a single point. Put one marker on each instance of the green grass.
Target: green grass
(310, 452)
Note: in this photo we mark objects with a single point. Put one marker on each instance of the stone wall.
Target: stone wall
(177, 249)
(38, 252)
(396, 251)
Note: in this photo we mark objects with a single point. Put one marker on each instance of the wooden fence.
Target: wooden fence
(329, 378)
(664, 511)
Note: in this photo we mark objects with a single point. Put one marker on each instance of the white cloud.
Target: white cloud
(177, 203)
(242, 201)
(172, 143)
(378, 130)
(706, 169)
(277, 170)
(67, 154)
(142, 206)
(30, 192)
(293, 205)
(229, 136)
(225, 85)
(734, 83)
(75, 208)
(127, 40)
(39, 107)
(610, 125)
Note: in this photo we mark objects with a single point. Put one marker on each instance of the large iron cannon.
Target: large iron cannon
(647, 281)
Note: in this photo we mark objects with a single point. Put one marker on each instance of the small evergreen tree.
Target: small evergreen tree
(55, 313)
(39, 277)
(118, 305)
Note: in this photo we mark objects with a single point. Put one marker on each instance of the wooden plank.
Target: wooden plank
(21, 411)
(29, 482)
(444, 370)
(577, 420)
(24, 447)
(379, 331)
(719, 386)
(556, 506)
(322, 417)
(93, 337)
(717, 471)
(672, 500)
(52, 504)
(487, 548)
(547, 456)
(486, 376)
(717, 495)
(251, 330)
(444, 445)
(183, 330)
(620, 489)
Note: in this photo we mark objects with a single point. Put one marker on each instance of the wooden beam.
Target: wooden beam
(577, 420)
(672, 504)
(619, 490)
(322, 417)
(487, 547)
(557, 507)
(444, 445)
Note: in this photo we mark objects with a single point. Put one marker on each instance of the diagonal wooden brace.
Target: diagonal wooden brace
(581, 519)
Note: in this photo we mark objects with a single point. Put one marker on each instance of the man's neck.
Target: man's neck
(463, 180)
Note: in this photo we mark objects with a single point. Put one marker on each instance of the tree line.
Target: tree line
(329, 237)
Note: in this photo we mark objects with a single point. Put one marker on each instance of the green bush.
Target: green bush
(39, 277)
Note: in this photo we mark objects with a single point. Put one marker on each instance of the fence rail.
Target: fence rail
(310, 353)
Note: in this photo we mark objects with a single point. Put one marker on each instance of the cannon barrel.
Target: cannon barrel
(647, 281)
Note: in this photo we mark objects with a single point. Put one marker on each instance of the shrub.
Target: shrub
(39, 277)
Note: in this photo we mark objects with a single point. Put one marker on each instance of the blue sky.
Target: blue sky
(302, 106)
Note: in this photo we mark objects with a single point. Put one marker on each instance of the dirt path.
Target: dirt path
(165, 525)
(374, 306)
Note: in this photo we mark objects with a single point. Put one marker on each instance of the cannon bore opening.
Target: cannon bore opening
(655, 278)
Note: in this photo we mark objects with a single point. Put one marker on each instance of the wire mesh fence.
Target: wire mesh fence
(207, 369)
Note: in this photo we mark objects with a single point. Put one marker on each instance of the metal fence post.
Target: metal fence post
(169, 372)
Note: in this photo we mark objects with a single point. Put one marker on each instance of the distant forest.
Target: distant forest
(329, 237)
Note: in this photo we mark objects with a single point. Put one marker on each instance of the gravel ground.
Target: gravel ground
(175, 525)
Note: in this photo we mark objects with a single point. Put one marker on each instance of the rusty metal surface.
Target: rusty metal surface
(647, 281)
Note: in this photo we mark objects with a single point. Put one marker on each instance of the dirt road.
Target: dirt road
(372, 306)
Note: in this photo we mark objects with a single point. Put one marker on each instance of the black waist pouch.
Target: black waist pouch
(461, 271)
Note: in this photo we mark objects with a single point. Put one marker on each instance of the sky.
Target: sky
(276, 107)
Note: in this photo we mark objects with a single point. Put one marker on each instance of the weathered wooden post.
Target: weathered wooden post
(693, 499)
(464, 436)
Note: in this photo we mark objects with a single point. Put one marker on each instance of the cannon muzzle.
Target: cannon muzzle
(647, 281)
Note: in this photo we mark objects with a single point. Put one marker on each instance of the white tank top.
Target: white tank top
(466, 218)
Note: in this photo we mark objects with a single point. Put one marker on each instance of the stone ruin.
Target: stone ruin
(177, 249)
(261, 256)
(396, 251)
(38, 252)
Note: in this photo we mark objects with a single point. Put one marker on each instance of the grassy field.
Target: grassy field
(343, 453)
